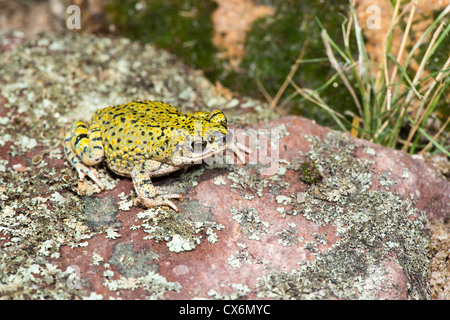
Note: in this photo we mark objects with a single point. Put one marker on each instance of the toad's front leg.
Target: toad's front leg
(145, 189)
(84, 148)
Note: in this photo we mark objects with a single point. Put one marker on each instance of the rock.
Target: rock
(358, 230)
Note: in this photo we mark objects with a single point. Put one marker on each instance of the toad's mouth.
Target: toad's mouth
(198, 149)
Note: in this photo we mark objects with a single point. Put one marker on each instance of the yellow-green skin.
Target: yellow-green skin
(145, 139)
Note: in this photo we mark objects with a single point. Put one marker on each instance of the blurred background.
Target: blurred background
(248, 47)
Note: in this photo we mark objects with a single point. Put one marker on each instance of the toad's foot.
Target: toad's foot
(91, 172)
(239, 150)
(157, 201)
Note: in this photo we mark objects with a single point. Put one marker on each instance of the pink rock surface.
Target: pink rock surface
(357, 233)
(239, 259)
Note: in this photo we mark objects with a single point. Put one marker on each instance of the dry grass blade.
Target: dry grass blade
(422, 64)
(435, 136)
(338, 69)
(273, 103)
(422, 116)
(264, 91)
(314, 98)
(403, 43)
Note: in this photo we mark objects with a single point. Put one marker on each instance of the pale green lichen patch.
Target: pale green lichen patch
(101, 213)
(219, 180)
(288, 237)
(239, 258)
(126, 203)
(405, 173)
(240, 292)
(137, 273)
(32, 229)
(283, 199)
(250, 222)
(373, 226)
(154, 283)
(131, 263)
(251, 185)
(180, 231)
(385, 180)
(179, 244)
(161, 224)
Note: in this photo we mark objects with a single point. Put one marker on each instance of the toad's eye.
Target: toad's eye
(198, 145)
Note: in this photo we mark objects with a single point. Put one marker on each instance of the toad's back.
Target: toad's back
(137, 131)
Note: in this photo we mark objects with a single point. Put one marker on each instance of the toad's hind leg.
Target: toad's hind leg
(145, 189)
(84, 148)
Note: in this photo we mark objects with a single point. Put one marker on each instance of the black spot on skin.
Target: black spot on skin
(145, 181)
(118, 115)
(81, 125)
(79, 137)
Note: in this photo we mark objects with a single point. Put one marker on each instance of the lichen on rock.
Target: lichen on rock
(375, 228)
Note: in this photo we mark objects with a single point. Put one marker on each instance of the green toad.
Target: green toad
(145, 139)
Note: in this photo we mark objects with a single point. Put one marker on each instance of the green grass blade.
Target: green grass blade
(434, 142)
